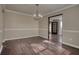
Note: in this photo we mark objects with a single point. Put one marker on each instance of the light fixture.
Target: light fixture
(37, 15)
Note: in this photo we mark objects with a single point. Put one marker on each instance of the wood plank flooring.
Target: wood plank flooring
(74, 51)
(21, 47)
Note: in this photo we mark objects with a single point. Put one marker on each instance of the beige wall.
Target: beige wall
(70, 26)
(1, 26)
(43, 27)
(20, 26)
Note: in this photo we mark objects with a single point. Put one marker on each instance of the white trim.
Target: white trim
(72, 45)
(1, 48)
(16, 12)
(17, 38)
(21, 29)
(43, 36)
(21, 13)
(61, 9)
(43, 29)
(74, 31)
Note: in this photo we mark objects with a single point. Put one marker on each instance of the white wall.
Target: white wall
(70, 26)
(20, 26)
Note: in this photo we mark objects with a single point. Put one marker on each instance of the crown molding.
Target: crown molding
(16, 12)
(61, 9)
(21, 13)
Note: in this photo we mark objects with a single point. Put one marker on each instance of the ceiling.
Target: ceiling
(30, 8)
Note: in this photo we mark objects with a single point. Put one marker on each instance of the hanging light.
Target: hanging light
(37, 15)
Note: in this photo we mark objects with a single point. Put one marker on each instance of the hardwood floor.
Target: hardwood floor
(22, 47)
(74, 51)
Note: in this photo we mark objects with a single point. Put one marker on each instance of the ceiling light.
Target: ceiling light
(37, 15)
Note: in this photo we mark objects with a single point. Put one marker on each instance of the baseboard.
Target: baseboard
(44, 37)
(75, 46)
(21, 38)
(17, 38)
(1, 48)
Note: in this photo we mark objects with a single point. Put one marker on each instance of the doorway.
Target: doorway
(55, 33)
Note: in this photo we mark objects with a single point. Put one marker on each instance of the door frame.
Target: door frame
(49, 22)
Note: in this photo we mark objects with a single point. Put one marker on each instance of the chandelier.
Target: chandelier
(37, 15)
